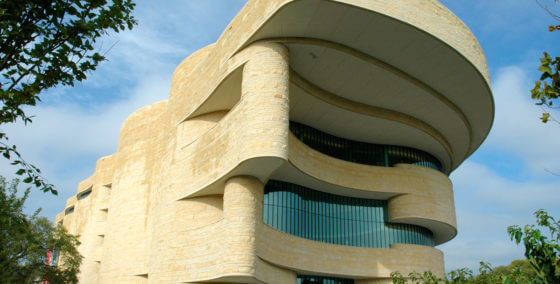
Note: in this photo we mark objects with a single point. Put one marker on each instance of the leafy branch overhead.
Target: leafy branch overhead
(547, 89)
(29, 173)
(43, 44)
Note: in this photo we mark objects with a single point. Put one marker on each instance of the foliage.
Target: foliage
(415, 277)
(45, 43)
(518, 272)
(547, 89)
(462, 275)
(542, 252)
(27, 239)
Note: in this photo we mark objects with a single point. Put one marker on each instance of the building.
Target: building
(311, 143)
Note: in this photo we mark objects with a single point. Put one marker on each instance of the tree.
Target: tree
(547, 88)
(542, 251)
(46, 43)
(518, 272)
(27, 239)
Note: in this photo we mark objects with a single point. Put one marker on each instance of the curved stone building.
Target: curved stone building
(311, 143)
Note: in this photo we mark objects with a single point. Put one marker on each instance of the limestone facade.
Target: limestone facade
(182, 198)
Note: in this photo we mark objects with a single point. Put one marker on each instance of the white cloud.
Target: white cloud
(490, 190)
(517, 128)
(486, 205)
(489, 196)
(461, 253)
(70, 128)
(66, 139)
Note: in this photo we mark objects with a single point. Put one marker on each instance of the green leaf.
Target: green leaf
(545, 69)
(545, 117)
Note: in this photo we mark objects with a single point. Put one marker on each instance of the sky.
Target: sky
(514, 173)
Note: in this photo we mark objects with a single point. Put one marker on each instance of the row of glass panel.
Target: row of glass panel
(304, 279)
(336, 219)
(361, 152)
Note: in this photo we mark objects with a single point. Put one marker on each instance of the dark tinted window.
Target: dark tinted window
(336, 219)
(361, 152)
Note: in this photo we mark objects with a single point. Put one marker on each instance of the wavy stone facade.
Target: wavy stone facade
(182, 198)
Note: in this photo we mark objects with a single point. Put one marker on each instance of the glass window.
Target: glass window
(84, 194)
(336, 219)
(361, 152)
(69, 210)
(305, 279)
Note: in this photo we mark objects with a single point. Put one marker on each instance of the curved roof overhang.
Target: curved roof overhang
(389, 72)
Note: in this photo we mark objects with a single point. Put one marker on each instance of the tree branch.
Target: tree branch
(548, 10)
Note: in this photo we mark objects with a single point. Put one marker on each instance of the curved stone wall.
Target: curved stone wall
(126, 229)
(299, 254)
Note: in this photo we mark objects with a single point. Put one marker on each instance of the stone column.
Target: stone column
(265, 101)
(243, 202)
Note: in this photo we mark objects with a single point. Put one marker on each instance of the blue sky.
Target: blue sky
(502, 184)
